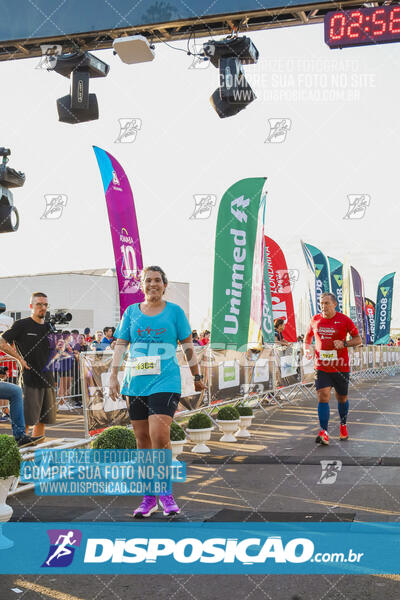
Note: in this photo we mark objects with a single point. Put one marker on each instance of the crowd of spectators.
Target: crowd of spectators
(69, 344)
(64, 363)
(201, 340)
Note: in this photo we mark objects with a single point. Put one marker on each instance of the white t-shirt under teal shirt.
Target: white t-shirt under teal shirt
(154, 337)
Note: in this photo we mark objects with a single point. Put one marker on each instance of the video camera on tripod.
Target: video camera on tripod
(9, 178)
(59, 318)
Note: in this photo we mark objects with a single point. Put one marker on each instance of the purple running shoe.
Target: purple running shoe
(169, 505)
(147, 507)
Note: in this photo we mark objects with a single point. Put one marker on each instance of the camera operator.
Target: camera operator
(33, 351)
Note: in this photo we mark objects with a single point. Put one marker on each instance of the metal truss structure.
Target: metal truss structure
(198, 27)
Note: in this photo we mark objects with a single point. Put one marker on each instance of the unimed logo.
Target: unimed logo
(190, 550)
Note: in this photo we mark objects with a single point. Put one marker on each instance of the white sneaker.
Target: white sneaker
(64, 406)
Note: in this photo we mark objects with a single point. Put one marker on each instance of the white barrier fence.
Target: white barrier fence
(66, 373)
(276, 374)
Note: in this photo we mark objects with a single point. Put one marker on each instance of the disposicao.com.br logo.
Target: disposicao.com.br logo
(202, 547)
(247, 551)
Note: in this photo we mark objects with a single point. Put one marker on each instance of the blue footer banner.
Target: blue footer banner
(208, 548)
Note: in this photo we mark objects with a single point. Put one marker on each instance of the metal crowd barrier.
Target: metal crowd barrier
(274, 375)
(66, 372)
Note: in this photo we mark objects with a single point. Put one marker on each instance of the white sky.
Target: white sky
(343, 145)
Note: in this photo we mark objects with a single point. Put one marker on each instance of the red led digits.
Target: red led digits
(394, 20)
(379, 18)
(338, 22)
(363, 26)
(353, 30)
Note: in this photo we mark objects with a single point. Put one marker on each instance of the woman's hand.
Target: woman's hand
(199, 386)
(114, 389)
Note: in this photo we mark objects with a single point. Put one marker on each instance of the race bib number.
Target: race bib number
(145, 365)
(328, 354)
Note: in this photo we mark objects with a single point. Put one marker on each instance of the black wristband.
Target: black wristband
(197, 377)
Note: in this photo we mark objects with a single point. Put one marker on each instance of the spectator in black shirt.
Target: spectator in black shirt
(33, 350)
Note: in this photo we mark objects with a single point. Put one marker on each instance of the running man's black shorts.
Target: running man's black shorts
(338, 380)
(142, 407)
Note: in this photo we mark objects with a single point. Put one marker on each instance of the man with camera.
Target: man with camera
(33, 351)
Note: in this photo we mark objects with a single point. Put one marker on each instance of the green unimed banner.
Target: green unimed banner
(237, 283)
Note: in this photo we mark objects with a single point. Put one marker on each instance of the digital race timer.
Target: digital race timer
(362, 26)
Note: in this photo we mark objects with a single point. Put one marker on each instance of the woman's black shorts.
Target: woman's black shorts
(142, 407)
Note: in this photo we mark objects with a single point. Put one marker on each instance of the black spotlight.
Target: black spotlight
(79, 106)
(234, 92)
(9, 178)
(9, 218)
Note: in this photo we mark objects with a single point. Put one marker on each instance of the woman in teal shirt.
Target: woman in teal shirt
(152, 383)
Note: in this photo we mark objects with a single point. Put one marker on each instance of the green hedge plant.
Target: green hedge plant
(244, 411)
(10, 458)
(177, 434)
(228, 413)
(115, 438)
(199, 421)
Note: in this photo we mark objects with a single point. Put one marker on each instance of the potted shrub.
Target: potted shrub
(246, 417)
(10, 462)
(228, 420)
(199, 429)
(115, 438)
(178, 439)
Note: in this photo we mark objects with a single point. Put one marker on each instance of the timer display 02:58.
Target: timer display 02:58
(362, 26)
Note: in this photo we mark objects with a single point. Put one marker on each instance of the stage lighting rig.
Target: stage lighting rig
(79, 106)
(9, 178)
(229, 55)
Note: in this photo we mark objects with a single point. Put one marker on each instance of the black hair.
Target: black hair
(158, 270)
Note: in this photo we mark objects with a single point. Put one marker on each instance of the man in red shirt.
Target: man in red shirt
(330, 329)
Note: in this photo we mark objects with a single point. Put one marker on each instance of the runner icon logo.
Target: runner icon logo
(48, 59)
(55, 204)
(200, 60)
(358, 204)
(330, 471)
(63, 543)
(286, 278)
(203, 205)
(128, 129)
(278, 129)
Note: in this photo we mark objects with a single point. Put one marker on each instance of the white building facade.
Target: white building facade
(90, 296)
